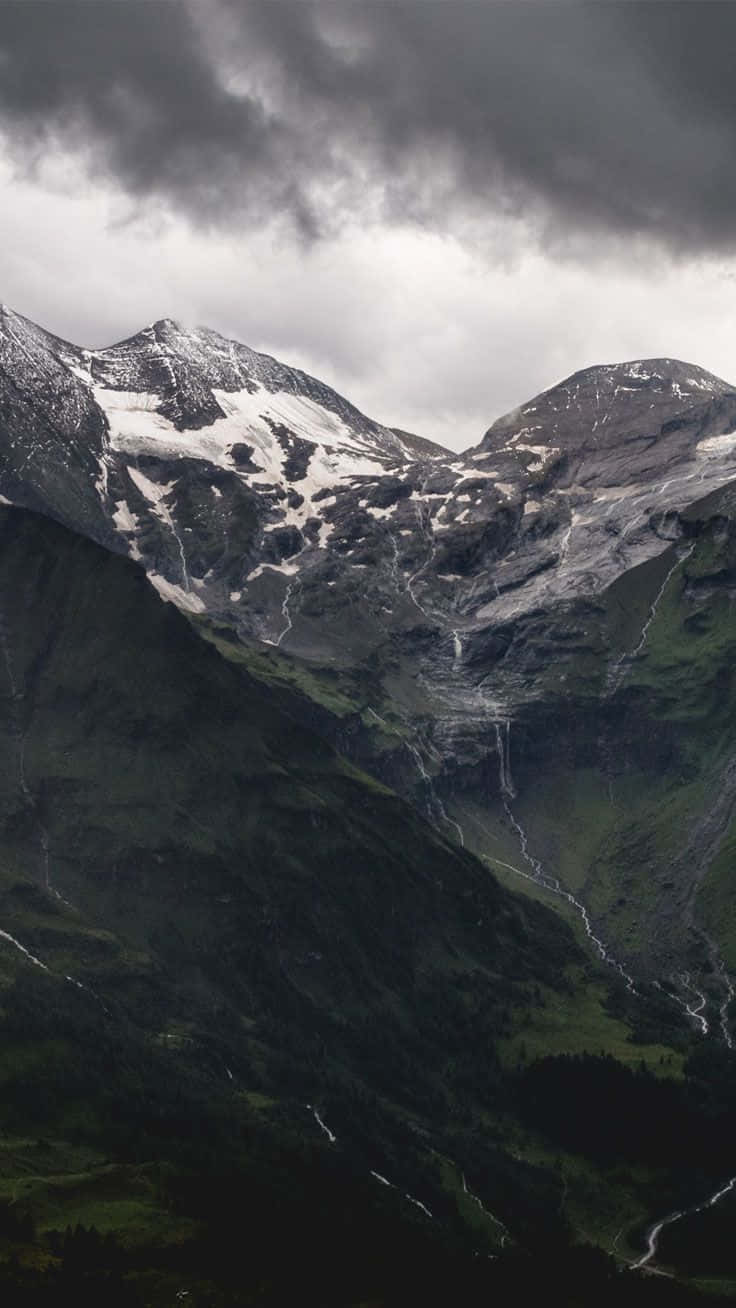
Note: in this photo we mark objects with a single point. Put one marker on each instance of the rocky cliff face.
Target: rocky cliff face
(235, 479)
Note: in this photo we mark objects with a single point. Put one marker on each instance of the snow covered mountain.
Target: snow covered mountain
(532, 642)
(468, 599)
(238, 481)
(163, 444)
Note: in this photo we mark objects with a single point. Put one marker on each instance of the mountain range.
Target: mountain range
(365, 806)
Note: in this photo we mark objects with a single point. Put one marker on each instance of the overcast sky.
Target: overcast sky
(439, 208)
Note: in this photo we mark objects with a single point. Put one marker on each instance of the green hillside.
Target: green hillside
(223, 945)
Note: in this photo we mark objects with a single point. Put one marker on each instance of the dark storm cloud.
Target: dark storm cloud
(616, 119)
(130, 84)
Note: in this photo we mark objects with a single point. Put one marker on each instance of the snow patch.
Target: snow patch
(127, 523)
(380, 513)
(172, 594)
(287, 569)
(717, 444)
(123, 518)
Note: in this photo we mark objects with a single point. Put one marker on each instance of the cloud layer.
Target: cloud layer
(617, 119)
(440, 208)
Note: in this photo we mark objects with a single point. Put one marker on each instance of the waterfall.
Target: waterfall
(286, 613)
(698, 1011)
(503, 749)
(655, 1231)
(537, 874)
(435, 807)
(618, 671)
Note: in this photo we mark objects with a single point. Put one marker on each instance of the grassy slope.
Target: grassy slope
(259, 926)
(578, 1020)
(239, 902)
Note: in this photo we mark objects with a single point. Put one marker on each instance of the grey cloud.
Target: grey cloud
(130, 84)
(605, 118)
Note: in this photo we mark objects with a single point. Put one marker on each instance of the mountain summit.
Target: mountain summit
(200, 377)
(607, 418)
(255, 493)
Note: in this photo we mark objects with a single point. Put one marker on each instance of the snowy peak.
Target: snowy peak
(177, 372)
(603, 422)
(41, 372)
(187, 368)
(192, 452)
(20, 337)
(666, 375)
(253, 492)
(605, 399)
